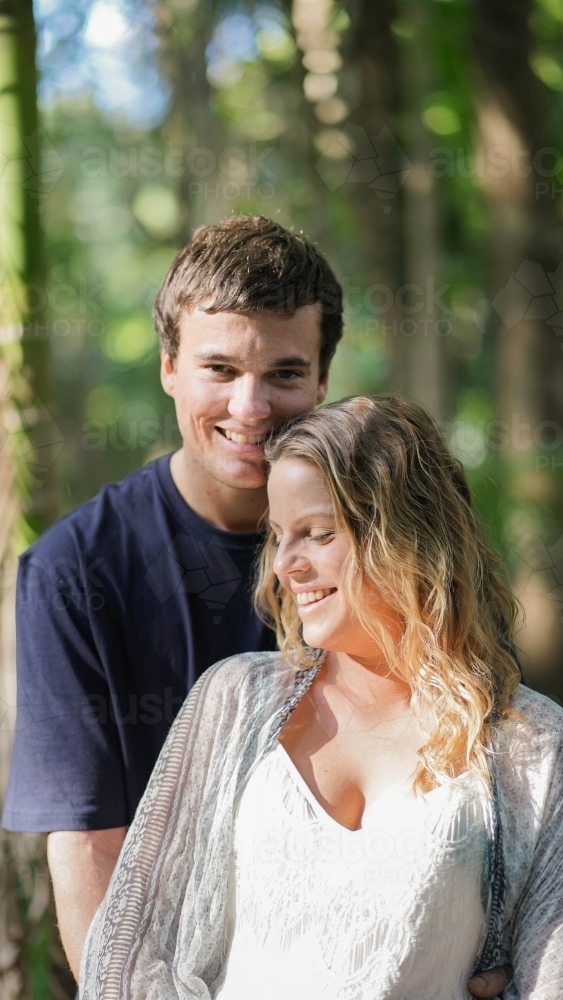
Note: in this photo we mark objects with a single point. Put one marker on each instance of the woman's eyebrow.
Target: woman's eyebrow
(320, 512)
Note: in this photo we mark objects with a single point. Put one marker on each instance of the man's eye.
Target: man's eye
(286, 375)
(219, 369)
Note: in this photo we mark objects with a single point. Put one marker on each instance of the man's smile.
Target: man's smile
(244, 443)
(242, 438)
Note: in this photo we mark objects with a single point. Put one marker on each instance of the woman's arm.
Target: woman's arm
(158, 934)
(134, 932)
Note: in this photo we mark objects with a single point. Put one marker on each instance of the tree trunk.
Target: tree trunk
(526, 275)
(373, 50)
(191, 128)
(422, 356)
(26, 910)
(514, 115)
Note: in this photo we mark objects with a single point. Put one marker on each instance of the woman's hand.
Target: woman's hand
(491, 983)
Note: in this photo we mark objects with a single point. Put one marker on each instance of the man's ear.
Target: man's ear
(322, 389)
(167, 373)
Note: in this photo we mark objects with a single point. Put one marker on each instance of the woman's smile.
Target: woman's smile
(308, 599)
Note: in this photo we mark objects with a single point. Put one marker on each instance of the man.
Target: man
(126, 601)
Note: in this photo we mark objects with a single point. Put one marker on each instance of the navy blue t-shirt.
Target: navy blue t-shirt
(121, 605)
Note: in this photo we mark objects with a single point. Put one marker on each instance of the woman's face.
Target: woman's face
(309, 561)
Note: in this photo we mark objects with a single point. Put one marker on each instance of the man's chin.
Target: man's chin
(249, 477)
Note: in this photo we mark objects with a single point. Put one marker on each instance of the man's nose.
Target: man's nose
(249, 400)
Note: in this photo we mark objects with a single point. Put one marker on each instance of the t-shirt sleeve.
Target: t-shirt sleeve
(66, 769)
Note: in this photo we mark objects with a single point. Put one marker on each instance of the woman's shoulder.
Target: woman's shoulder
(246, 675)
(541, 713)
(242, 666)
(240, 686)
(531, 738)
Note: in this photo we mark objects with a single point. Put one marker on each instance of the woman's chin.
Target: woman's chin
(318, 637)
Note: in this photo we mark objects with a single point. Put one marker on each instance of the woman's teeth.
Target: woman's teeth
(244, 438)
(310, 596)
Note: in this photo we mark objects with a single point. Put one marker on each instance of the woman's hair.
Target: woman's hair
(405, 504)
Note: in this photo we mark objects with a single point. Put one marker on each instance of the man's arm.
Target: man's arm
(491, 983)
(81, 864)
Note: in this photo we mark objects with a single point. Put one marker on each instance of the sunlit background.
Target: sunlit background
(420, 151)
(418, 142)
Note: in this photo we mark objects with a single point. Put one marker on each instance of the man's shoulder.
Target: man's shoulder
(118, 509)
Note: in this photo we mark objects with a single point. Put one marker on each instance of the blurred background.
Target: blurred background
(418, 142)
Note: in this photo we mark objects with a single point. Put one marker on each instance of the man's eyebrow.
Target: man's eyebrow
(293, 361)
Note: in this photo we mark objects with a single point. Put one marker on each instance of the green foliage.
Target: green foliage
(235, 134)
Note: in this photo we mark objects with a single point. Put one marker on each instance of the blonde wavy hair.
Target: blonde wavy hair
(405, 504)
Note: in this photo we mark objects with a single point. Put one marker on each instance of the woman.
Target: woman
(374, 811)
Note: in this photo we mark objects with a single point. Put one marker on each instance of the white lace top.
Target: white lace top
(315, 910)
(160, 932)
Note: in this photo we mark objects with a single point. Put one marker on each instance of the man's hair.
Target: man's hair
(249, 264)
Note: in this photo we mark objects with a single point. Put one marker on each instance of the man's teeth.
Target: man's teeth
(313, 595)
(245, 438)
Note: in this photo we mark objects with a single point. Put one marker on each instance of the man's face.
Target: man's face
(235, 378)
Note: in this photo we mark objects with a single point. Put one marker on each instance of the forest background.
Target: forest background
(418, 142)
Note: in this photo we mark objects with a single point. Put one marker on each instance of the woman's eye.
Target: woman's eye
(323, 537)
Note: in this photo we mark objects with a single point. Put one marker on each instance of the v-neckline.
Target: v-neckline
(324, 816)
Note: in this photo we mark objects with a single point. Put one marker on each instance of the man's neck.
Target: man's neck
(222, 506)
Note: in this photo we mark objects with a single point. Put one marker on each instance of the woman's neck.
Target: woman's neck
(368, 687)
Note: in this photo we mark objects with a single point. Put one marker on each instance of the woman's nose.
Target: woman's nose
(289, 560)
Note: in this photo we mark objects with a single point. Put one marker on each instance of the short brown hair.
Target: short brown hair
(248, 264)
